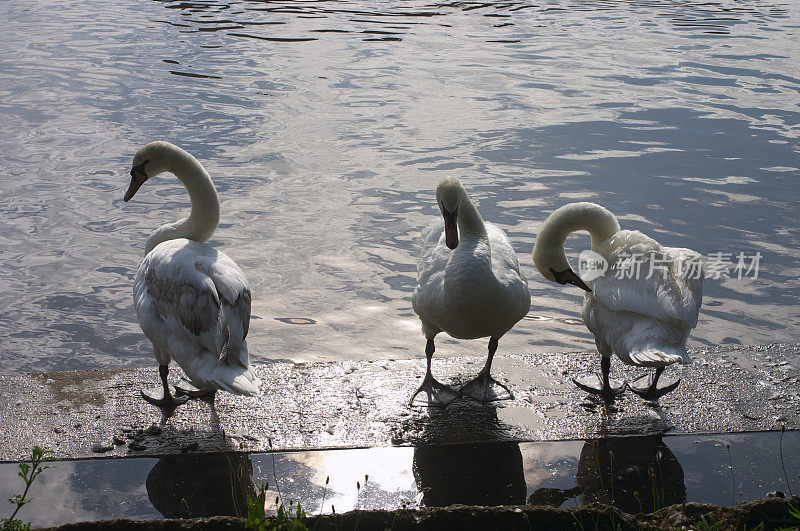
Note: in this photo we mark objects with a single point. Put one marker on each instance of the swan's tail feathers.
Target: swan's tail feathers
(659, 355)
(236, 380)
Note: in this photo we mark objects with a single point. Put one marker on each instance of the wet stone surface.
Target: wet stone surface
(349, 404)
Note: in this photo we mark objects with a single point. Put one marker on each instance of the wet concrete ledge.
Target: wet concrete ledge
(772, 513)
(350, 404)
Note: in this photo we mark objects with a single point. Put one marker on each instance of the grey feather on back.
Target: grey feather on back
(190, 305)
(241, 309)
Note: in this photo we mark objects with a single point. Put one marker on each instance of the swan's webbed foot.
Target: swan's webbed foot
(594, 384)
(438, 394)
(651, 390)
(168, 401)
(484, 388)
(188, 389)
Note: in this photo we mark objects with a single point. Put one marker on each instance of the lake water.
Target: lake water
(326, 125)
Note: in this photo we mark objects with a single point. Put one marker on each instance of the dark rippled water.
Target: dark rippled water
(326, 125)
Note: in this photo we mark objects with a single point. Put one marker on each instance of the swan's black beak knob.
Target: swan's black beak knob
(568, 276)
(138, 177)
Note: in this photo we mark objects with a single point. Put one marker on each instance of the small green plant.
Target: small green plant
(794, 512)
(284, 520)
(28, 472)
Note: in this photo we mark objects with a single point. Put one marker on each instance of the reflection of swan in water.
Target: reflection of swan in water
(471, 474)
(188, 486)
(645, 316)
(630, 465)
(613, 470)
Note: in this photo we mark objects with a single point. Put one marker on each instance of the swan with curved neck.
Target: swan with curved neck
(643, 314)
(160, 157)
(469, 286)
(192, 301)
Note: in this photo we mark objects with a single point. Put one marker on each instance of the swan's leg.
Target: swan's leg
(652, 391)
(602, 385)
(167, 401)
(483, 387)
(437, 393)
(187, 388)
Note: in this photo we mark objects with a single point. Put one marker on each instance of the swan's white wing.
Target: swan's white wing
(504, 259)
(194, 303)
(660, 285)
(513, 293)
(427, 299)
(643, 308)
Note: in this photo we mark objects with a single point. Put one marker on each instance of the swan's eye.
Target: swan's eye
(139, 169)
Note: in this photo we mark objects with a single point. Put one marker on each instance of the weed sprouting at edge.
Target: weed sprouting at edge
(780, 450)
(284, 519)
(358, 500)
(28, 472)
(322, 505)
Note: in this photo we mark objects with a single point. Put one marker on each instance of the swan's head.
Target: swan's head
(553, 265)
(548, 251)
(152, 159)
(449, 194)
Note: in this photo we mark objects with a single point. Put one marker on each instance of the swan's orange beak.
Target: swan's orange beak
(568, 276)
(450, 228)
(138, 178)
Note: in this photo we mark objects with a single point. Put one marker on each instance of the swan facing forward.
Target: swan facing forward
(469, 286)
(192, 301)
(644, 305)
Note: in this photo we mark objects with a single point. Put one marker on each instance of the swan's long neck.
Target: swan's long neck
(204, 216)
(470, 222)
(548, 252)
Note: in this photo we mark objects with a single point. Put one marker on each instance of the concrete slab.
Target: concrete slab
(84, 414)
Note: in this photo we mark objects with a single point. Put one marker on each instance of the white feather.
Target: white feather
(644, 317)
(475, 290)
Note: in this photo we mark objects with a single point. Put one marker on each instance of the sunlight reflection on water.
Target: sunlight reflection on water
(326, 125)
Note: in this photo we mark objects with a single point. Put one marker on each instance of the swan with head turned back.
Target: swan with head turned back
(641, 308)
(469, 286)
(192, 301)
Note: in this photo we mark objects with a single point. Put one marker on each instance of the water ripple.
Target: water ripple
(326, 126)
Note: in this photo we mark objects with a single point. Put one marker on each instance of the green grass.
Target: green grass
(291, 519)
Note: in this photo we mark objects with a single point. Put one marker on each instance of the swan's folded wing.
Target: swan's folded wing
(200, 295)
(658, 282)
(690, 273)
(235, 302)
(503, 254)
(187, 301)
(434, 254)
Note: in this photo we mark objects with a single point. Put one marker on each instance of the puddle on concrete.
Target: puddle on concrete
(635, 473)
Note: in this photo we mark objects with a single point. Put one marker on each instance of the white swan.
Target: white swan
(469, 286)
(644, 305)
(192, 301)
